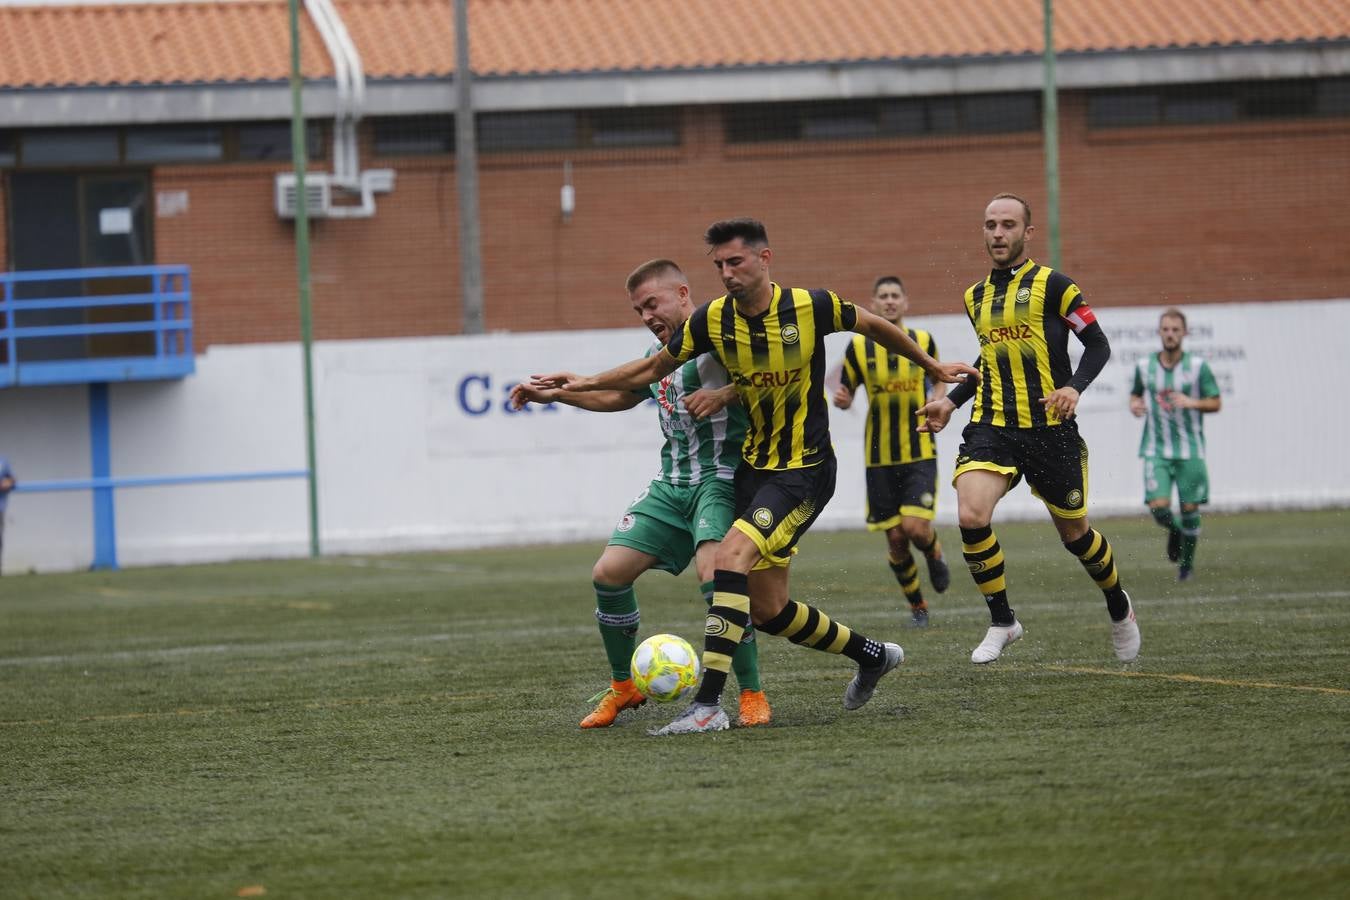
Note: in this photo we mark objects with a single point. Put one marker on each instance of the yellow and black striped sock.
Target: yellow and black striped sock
(932, 551)
(907, 574)
(1094, 552)
(984, 558)
(807, 626)
(745, 661)
(728, 617)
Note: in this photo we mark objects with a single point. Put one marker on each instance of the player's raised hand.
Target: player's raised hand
(955, 373)
(935, 415)
(709, 401)
(557, 380)
(523, 394)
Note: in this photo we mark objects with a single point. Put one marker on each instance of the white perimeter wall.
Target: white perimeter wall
(417, 448)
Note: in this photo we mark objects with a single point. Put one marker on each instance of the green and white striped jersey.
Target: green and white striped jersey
(1171, 432)
(696, 449)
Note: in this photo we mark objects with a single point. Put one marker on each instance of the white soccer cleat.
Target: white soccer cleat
(995, 639)
(860, 689)
(1125, 635)
(698, 717)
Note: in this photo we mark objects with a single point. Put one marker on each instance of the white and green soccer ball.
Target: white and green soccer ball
(665, 667)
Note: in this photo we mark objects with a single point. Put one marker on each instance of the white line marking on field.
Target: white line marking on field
(362, 562)
(333, 703)
(1199, 679)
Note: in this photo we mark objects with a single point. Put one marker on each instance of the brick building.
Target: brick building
(1204, 149)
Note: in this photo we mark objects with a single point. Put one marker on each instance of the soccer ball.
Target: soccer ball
(665, 667)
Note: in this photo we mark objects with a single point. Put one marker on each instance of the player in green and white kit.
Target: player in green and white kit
(685, 511)
(1172, 392)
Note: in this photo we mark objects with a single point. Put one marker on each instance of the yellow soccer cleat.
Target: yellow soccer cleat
(620, 695)
(754, 709)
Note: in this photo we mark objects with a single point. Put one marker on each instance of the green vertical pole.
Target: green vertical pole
(1050, 128)
(299, 156)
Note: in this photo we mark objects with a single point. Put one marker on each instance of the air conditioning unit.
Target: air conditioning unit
(318, 195)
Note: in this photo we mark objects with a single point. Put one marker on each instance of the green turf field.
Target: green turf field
(406, 726)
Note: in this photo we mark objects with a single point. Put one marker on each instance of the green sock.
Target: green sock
(745, 661)
(1190, 536)
(616, 610)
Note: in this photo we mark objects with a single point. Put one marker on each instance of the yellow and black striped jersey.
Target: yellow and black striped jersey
(896, 388)
(777, 362)
(1022, 318)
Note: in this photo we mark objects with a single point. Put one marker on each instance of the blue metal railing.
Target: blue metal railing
(57, 350)
(105, 522)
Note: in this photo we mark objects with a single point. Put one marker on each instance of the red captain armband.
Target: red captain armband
(1080, 318)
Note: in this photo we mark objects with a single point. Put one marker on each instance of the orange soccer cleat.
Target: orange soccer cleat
(754, 709)
(620, 695)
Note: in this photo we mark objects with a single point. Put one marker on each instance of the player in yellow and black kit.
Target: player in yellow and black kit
(1022, 422)
(770, 339)
(901, 462)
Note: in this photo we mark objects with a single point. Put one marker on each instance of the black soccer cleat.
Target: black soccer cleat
(939, 574)
(1173, 544)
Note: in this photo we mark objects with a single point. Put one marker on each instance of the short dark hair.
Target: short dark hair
(653, 268)
(1173, 313)
(749, 230)
(1026, 207)
(888, 279)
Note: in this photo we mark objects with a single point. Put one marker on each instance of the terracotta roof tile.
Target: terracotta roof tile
(247, 40)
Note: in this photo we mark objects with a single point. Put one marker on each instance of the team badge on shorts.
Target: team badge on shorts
(627, 522)
(763, 517)
(1075, 498)
(926, 500)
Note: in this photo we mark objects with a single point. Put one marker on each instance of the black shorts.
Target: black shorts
(1053, 459)
(774, 507)
(907, 489)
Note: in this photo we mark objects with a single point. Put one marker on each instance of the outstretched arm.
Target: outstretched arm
(630, 376)
(595, 401)
(896, 341)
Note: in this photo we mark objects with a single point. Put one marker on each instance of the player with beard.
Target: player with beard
(1022, 424)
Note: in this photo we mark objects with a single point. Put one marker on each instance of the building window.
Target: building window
(265, 141)
(177, 143)
(414, 135)
(644, 127)
(1333, 97)
(1202, 104)
(842, 120)
(70, 147)
(525, 131)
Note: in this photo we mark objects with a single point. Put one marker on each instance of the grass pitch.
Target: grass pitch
(406, 726)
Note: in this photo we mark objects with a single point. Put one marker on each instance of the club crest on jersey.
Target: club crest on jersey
(790, 334)
(627, 522)
(1075, 498)
(1023, 294)
(763, 517)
